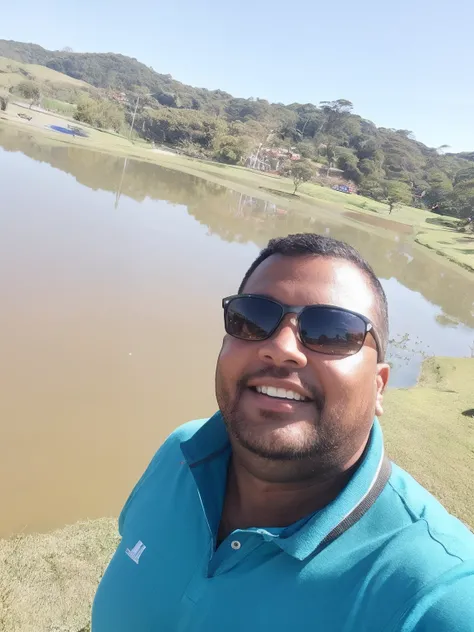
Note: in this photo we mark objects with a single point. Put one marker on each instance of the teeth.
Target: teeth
(282, 393)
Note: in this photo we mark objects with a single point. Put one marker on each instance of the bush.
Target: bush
(372, 188)
(29, 90)
(229, 149)
(306, 149)
(100, 113)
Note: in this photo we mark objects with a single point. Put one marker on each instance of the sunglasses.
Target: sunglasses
(321, 328)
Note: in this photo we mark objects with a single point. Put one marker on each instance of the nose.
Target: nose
(284, 347)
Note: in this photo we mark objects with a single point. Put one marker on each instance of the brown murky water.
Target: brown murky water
(111, 275)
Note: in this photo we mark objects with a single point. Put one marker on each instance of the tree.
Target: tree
(460, 202)
(30, 91)
(300, 171)
(100, 113)
(439, 187)
(3, 103)
(463, 175)
(373, 188)
(306, 149)
(397, 193)
(347, 162)
(334, 114)
(407, 133)
(336, 109)
(182, 127)
(229, 149)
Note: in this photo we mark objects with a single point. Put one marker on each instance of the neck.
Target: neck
(262, 494)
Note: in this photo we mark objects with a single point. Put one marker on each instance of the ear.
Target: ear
(381, 381)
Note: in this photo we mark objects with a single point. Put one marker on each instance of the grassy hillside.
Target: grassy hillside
(114, 71)
(16, 71)
(57, 90)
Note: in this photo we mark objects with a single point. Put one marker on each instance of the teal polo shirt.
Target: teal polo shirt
(384, 556)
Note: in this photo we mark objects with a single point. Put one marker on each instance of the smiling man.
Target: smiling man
(282, 511)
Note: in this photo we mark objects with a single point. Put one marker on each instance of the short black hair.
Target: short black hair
(312, 244)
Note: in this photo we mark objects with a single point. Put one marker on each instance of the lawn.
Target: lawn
(55, 105)
(47, 581)
(441, 235)
(430, 432)
(13, 72)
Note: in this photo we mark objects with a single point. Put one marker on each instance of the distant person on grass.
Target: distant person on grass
(282, 512)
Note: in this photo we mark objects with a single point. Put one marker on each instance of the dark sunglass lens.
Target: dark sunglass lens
(252, 318)
(332, 331)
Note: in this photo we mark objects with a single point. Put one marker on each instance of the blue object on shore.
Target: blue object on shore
(76, 131)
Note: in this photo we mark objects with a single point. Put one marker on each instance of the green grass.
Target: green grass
(54, 105)
(15, 71)
(47, 581)
(450, 243)
(427, 434)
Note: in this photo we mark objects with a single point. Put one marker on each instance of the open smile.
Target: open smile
(279, 393)
(277, 400)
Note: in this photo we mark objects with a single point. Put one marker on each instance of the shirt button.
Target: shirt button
(235, 544)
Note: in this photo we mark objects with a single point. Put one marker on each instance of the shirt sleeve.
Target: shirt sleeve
(446, 606)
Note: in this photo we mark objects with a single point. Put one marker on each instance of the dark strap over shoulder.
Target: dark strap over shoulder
(366, 503)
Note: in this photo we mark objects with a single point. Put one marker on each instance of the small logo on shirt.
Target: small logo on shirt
(135, 553)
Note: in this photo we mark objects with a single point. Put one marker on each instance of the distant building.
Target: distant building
(119, 97)
(270, 158)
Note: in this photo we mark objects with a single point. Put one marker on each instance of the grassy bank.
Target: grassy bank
(47, 581)
(427, 433)
(427, 229)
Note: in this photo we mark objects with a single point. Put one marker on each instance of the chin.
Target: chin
(291, 441)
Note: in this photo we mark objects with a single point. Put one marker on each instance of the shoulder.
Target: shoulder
(166, 455)
(179, 435)
(426, 516)
(172, 443)
(431, 565)
(187, 430)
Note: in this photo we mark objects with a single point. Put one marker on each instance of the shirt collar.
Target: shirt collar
(207, 452)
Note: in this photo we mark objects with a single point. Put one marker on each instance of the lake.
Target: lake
(111, 276)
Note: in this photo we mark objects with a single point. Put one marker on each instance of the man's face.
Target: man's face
(343, 393)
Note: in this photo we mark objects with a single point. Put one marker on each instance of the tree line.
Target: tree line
(385, 164)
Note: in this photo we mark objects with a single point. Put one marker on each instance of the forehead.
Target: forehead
(309, 280)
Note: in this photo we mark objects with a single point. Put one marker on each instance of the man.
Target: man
(281, 512)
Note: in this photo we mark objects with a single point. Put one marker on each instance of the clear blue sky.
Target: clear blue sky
(405, 64)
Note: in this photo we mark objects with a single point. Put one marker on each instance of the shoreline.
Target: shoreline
(47, 581)
(427, 230)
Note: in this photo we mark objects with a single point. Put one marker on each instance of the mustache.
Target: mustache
(282, 373)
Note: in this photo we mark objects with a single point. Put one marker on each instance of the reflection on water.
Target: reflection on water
(111, 273)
